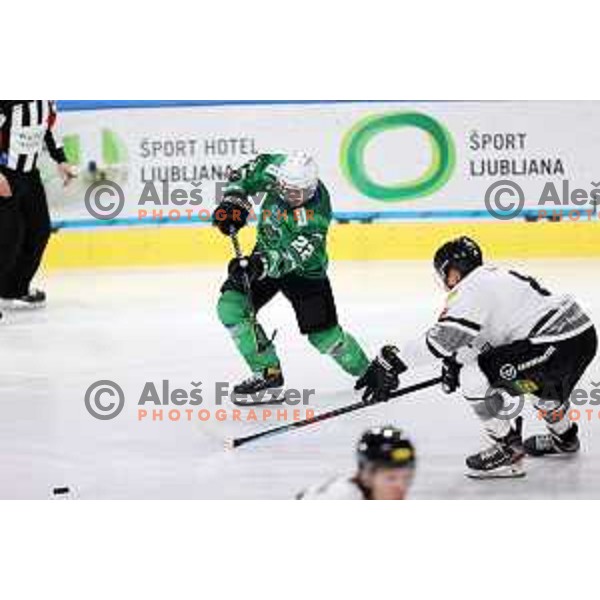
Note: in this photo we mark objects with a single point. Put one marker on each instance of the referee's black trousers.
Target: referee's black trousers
(24, 232)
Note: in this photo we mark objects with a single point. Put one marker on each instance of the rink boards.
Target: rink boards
(403, 177)
(189, 245)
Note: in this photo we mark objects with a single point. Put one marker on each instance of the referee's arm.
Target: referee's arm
(57, 153)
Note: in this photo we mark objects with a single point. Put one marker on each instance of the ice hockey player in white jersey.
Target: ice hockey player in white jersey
(501, 334)
(386, 465)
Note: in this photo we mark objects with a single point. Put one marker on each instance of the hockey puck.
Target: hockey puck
(59, 491)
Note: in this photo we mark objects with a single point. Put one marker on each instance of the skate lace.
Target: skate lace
(545, 442)
(252, 379)
(491, 452)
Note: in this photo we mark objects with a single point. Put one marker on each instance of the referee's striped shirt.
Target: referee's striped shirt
(25, 127)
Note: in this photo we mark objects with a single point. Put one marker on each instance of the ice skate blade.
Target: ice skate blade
(508, 472)
(18, 305)
(555, 455)
(272, 397)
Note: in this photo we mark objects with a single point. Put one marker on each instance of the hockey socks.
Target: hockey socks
(342, 347)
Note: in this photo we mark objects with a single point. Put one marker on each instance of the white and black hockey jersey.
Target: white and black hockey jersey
(337, 488)
(492, 307)
(26, 126)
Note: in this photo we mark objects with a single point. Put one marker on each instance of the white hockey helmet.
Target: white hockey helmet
(297, 178)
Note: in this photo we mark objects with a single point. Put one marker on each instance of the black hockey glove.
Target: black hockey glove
(234, 175)
(231, 214)
(253, 266)
(381, 376)
(450, 375)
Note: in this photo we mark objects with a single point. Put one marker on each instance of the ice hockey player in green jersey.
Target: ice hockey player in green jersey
(290, 256)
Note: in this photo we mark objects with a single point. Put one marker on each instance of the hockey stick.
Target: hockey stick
(231, 443)
(260, 346)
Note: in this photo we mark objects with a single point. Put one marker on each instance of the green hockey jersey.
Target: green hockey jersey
(292, 240)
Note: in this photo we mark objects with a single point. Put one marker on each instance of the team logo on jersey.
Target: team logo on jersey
(508, 372)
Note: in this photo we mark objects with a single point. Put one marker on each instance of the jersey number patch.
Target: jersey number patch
(303, 247)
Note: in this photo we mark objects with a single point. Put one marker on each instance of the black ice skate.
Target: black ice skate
(501, 460)
(261, 389)
(33, 299)
(546, 444)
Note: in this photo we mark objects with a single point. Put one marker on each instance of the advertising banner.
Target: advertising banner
(378, 159)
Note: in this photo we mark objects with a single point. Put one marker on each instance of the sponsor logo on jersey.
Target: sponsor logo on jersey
(508, 372)
(526, 386)
(538, 360)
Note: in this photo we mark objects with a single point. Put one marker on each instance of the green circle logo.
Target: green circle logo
(437, 174)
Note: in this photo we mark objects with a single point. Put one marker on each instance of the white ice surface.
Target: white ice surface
(149, 325)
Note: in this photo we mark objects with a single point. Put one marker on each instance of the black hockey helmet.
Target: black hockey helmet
(461, 253)
(385, 447)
